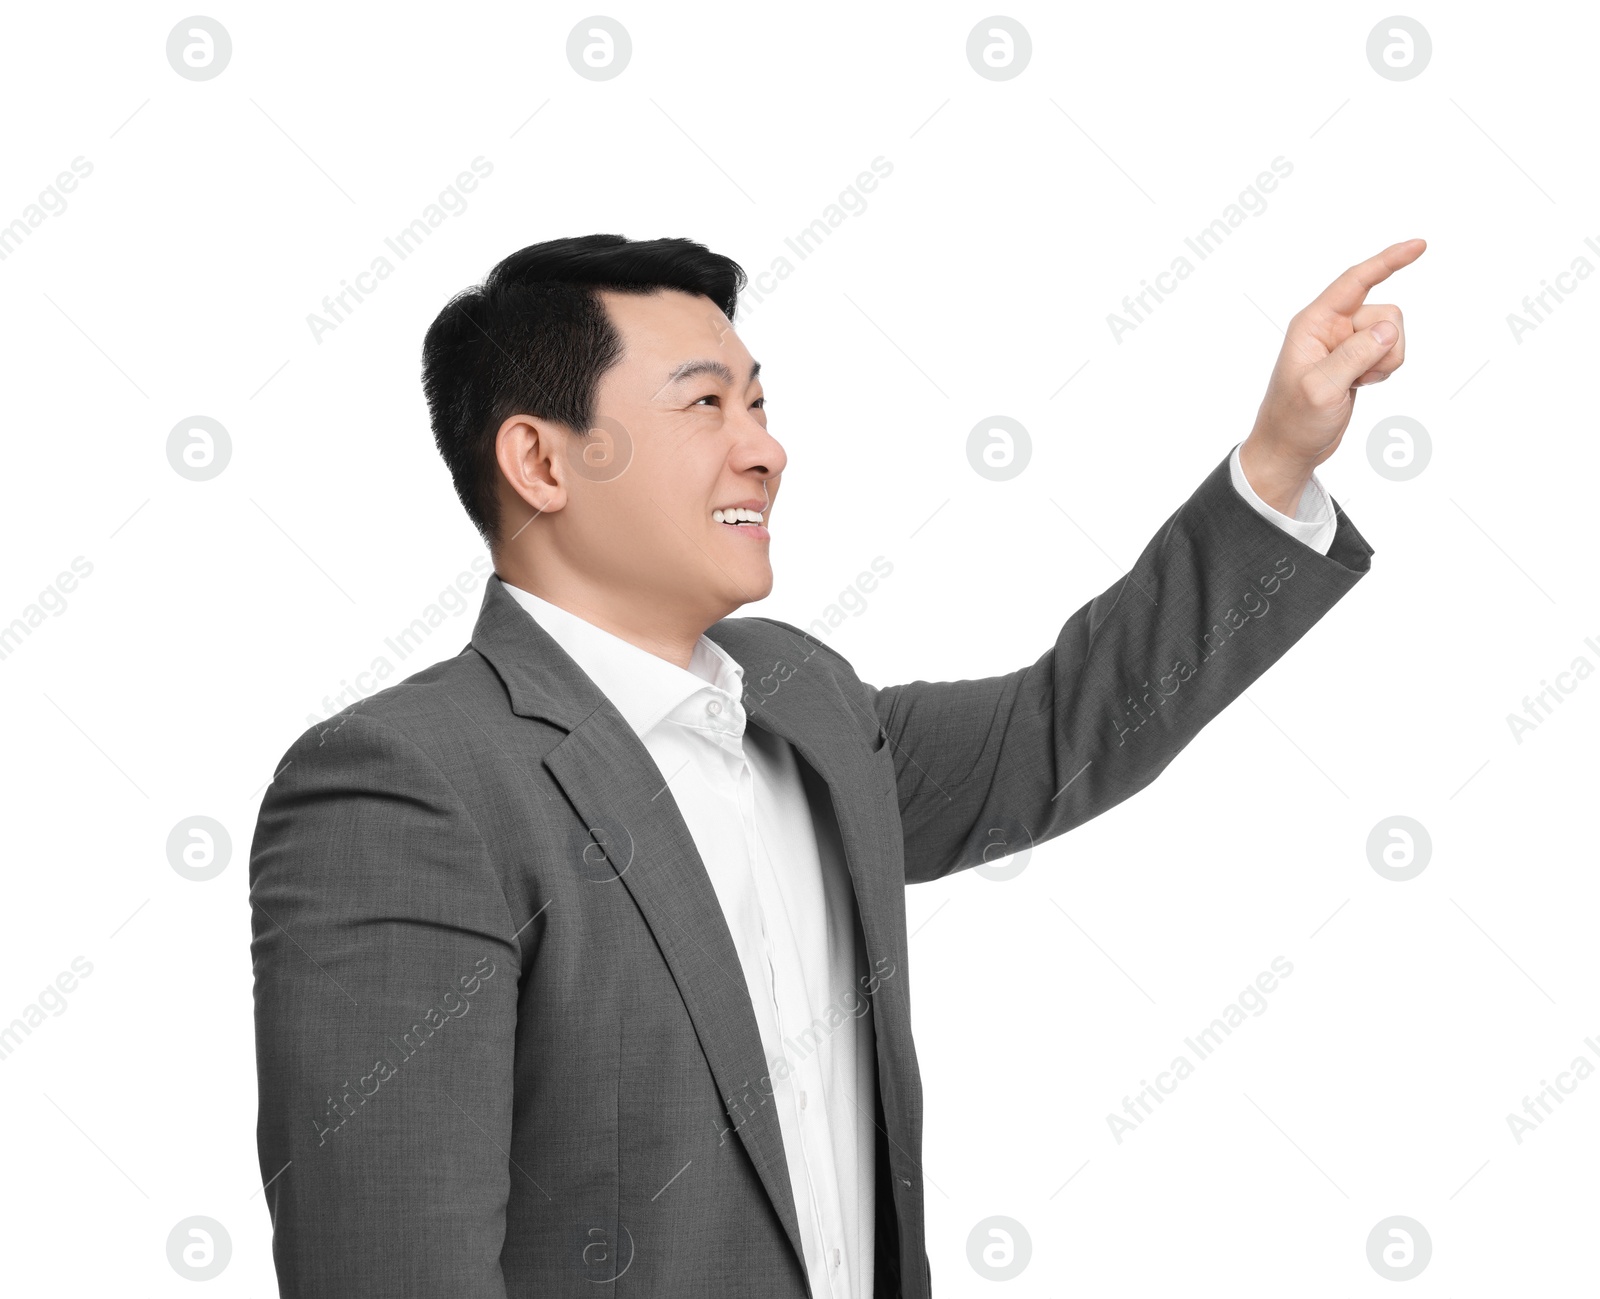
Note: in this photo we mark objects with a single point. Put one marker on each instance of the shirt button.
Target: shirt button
(714, 707)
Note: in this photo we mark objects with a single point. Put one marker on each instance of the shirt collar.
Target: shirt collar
(643, 686)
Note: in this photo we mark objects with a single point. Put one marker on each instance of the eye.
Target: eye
(761, 402)
(710, 396)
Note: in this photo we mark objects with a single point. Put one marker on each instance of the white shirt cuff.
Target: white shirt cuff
(1314, 519)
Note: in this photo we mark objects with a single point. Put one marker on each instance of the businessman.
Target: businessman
(580, 957)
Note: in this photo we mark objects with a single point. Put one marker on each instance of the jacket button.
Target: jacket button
(905, 1181)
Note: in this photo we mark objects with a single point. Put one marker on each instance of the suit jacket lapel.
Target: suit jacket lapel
(790, 692)
(610, 778)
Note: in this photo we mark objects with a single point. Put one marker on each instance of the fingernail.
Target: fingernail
(1385, 333)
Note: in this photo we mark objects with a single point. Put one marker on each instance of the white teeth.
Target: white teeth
(736, 516)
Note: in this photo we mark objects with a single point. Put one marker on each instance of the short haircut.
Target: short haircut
(534, 339)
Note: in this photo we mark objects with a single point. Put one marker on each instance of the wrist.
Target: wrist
(1276, 476)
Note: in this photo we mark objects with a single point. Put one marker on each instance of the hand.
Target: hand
(1336, 345)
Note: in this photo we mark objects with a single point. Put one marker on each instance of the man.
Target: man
(580, 957)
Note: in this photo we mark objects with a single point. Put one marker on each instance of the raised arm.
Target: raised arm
(385, 1007)
(1214, 599)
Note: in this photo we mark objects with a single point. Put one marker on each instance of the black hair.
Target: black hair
(534, 339)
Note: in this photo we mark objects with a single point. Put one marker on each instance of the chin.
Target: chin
(757, 587)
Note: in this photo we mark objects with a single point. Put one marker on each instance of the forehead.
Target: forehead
(667, 327)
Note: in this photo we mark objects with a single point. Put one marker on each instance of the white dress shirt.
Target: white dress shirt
(1314, 520)
(777, 865)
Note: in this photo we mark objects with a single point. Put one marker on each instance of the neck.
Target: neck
(664, 632)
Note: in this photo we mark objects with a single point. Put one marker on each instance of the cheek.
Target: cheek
(652, 527)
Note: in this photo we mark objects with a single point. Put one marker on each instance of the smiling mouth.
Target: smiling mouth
(744, 519)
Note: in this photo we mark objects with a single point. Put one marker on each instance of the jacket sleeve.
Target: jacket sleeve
(386, 979)
(1215, 598)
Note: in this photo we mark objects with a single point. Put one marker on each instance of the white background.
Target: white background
(977, 281)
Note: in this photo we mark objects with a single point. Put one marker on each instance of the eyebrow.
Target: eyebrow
(716, 369)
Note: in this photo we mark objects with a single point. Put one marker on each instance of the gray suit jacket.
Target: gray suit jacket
(504, 1045)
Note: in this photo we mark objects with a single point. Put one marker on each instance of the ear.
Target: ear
(533, 475)
(528, 452)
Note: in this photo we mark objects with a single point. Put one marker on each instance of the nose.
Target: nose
(760, 453)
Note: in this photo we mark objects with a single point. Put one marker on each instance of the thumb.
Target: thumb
(1359, 353)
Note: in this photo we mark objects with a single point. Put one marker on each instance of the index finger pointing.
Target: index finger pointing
(1350, 290)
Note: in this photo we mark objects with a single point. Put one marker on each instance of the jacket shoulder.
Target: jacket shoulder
(415, 706)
